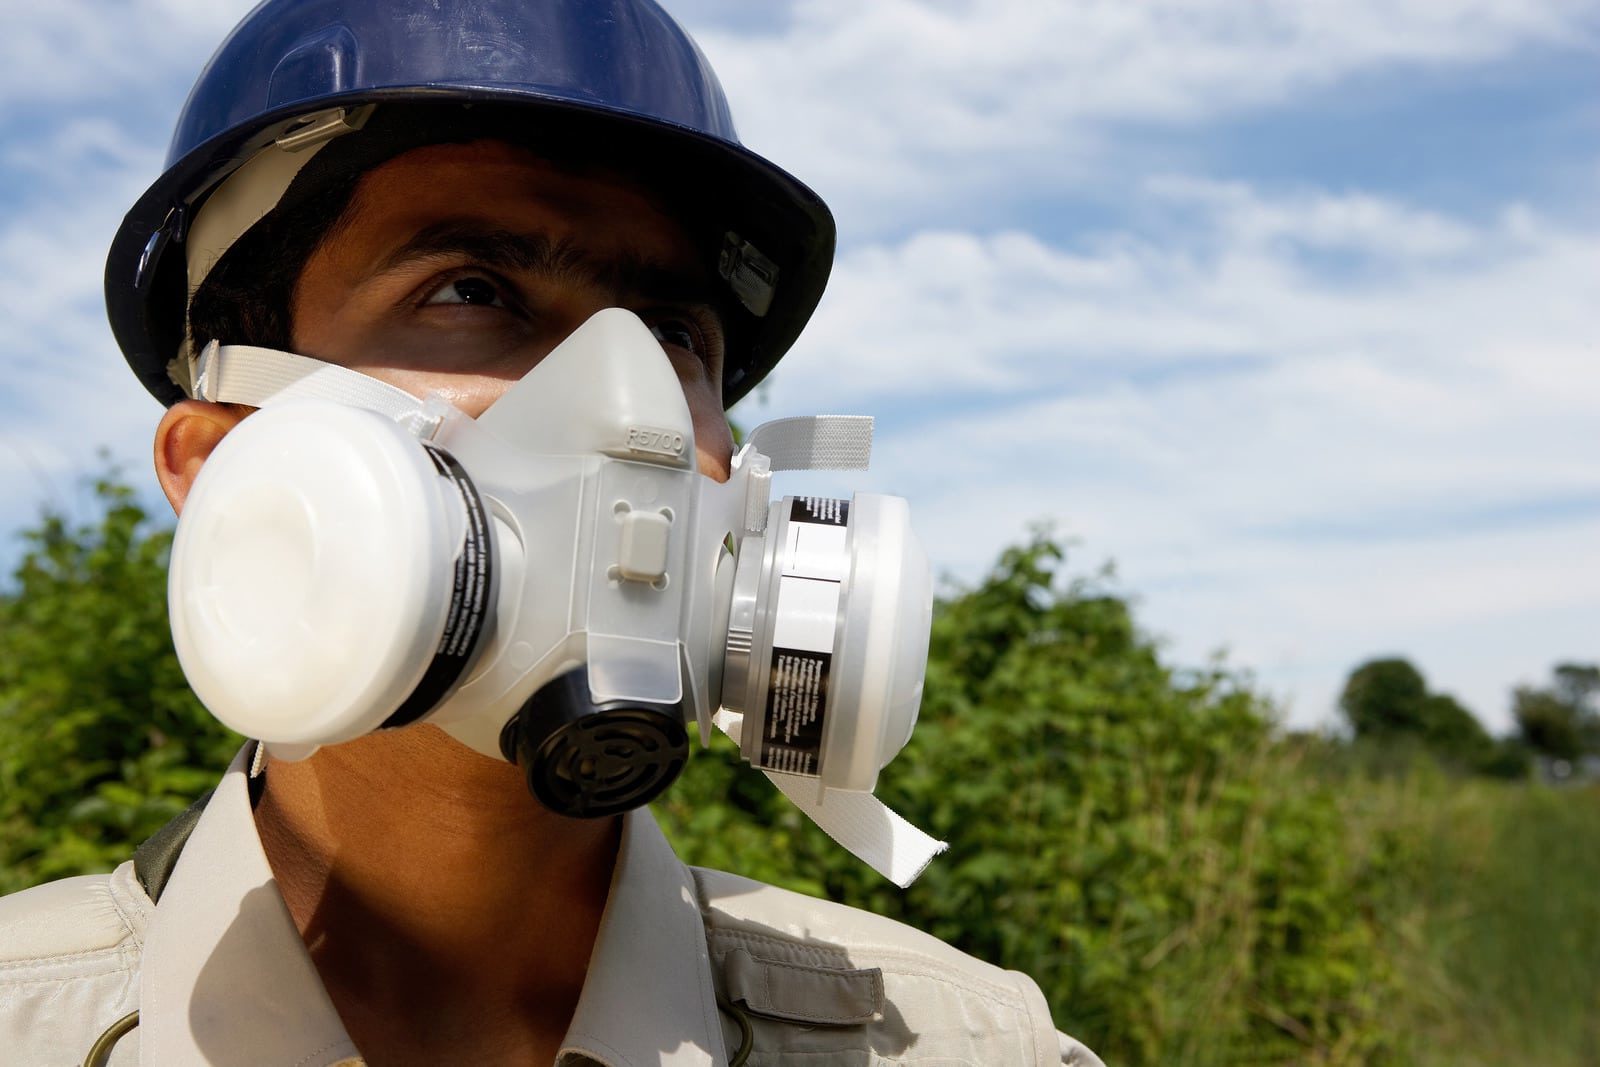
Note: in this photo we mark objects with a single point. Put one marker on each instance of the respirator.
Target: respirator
(553, 583)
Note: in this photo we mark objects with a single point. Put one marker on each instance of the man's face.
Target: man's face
(459, 267)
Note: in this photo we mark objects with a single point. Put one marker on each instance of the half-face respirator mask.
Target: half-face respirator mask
(554, 583)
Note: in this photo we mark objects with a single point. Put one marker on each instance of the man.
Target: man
(436, 194)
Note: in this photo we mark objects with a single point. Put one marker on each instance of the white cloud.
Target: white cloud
(91, 91)
(895, 106)
(1356, 222)
(68, 392)
(101, 50)
(1229, 277)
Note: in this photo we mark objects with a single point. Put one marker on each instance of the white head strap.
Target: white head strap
(245, 197)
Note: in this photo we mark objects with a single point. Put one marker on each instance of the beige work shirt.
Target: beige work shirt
(219, 974)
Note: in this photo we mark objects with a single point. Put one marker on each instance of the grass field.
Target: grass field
(1493, 917)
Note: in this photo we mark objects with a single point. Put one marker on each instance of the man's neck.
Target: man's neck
(450, 916)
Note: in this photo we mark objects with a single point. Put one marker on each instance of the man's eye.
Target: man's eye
(471, 289)
(677, 333)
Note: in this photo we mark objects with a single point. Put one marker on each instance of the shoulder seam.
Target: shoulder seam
(13, 982)
(97, 895)
(910, 964)
(122, 913)
(20, 962)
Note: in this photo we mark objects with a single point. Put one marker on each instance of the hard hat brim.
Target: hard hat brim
(146, 272)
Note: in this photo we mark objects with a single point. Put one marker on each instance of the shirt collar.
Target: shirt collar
(225, 969)
(648, 997)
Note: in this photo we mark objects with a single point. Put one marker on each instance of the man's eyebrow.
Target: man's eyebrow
(625, 273)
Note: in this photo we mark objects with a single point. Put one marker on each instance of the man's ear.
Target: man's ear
(188, 432)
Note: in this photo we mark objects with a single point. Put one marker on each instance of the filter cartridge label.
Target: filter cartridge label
(797, 699)
(815, 563)
(469, 599)
(823, 510)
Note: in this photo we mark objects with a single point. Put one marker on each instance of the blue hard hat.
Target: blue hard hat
(621, 73)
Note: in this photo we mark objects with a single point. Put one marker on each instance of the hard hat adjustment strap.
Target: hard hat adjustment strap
(312, 130)
(751, 275)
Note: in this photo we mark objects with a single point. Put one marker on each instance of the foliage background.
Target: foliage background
(101, 741)
(1188, 884)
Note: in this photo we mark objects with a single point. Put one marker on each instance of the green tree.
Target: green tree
(1387, 704)
(1579, 685)
(1454, 733)
(1561, 720)
(1548, 724)
(101, 741)
(1384, 698)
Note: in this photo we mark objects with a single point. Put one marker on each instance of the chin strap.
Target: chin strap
(863, 825)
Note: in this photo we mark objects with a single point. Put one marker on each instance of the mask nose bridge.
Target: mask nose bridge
(608, 388)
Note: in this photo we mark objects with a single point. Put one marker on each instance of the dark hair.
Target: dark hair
(248, 297)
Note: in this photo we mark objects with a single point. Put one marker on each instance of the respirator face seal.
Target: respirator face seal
(553, 583)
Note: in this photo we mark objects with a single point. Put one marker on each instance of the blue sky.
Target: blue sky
(1288, 308)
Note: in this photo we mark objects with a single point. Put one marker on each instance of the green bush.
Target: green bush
(101, 741)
